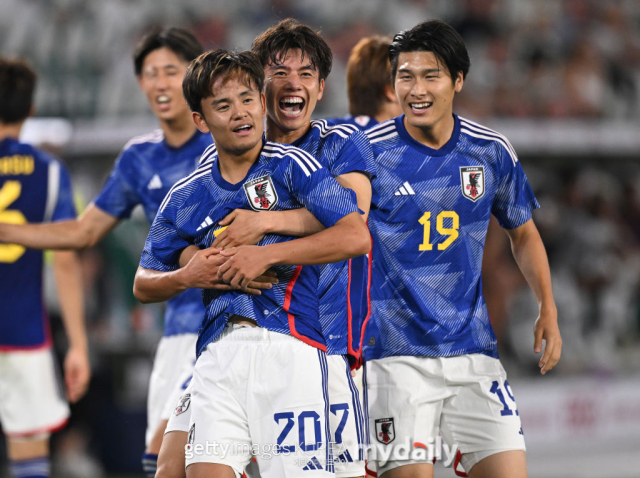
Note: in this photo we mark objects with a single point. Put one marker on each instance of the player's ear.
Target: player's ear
(320, 90)
(263, 102)
(390, 94)
(459, 82)
(201, 124)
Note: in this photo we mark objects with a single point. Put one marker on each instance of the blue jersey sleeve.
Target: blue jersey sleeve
(514, 199)
(64, 208)
(164, 243)
(355, 155)
(319, 193)
(117, 197)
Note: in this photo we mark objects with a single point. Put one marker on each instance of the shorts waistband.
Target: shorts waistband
(249, 333)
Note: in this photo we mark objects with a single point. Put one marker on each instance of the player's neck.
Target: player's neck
(278, 135)
(235, 166)
(436, 136)
(10, 130)
(178, 131)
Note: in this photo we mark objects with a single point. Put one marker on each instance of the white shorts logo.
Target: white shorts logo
(192, 434)
(472, 179)
(183, 404)
(385, 431)
(261, 194)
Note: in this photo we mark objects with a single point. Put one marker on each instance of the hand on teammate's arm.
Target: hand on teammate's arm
(201, 271)
(246, 227)
(361, 185)
(347, 238)
(528, 251)
(79, 233)
(77, 370)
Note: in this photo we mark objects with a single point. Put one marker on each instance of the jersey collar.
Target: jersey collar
(223, 183)
(446, 149)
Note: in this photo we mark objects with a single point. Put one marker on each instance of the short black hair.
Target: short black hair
(272, 46)
(203, 72)
(180, 41)
(17, 85)
(435, 36)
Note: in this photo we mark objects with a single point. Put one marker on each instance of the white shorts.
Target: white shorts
(172, 371)
(466, 399)
(262, 393)
(32, 401)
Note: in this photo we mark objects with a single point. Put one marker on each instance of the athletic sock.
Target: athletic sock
(150, 464)
(34, 468)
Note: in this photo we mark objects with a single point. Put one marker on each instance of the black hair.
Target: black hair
(203, 72)
(17, 85)
(435, 36)
(180, 41)
(273, 45)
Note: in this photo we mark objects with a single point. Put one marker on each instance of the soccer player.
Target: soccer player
(431, 361)
(143, 174)
(372, 99)
(296, 62)
(33, 188)
(246, 338)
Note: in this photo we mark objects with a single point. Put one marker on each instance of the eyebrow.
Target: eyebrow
(226, 100)
(427, 71)
(283, 67)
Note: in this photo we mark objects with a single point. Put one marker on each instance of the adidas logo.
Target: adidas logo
(205, 223)
(345, 457)
(313, 464)
(405, 190)
(155, 183)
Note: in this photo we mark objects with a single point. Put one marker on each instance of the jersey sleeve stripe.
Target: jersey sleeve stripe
(381, 132)
(324, 132)
(153, 137)
(490, 138)
(382, 138)
(282, 155)
(380, 128)
(207, 152)
(347, 128)
(482, 129)
(53, 190)
(310, 160)
(202, 171)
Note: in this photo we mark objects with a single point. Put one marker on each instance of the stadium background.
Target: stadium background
(560, 78)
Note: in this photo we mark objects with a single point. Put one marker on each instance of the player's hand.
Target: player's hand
(77, 373)
(244, 264)
(244, 227)
(202, 273)
(546, 329)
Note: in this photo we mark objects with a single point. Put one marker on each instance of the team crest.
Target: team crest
(261, 194)
(183, 404)
(385, 431)
(192, 434)
(472, 178)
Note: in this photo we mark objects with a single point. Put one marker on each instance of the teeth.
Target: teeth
(243, 127)
(420, 105)
(163, 99)
(292, 100)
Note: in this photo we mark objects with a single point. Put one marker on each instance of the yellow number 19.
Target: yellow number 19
(452, 231)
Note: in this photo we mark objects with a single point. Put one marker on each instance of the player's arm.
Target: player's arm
(79, 233)
(528, 251)
(359, 183)
(68, 276)
(347, 238)
(199, 271)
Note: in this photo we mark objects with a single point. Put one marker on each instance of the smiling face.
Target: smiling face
(233, 115)
(425, 90)
(292, 89)
(161, 81)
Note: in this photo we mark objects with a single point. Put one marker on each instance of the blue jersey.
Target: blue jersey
(361, 122)
(342, 288)
(143, 174)
(429, 217)
(282, 178)
(33, 188)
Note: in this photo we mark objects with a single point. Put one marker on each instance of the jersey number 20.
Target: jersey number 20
(452, 231)
(9, 192)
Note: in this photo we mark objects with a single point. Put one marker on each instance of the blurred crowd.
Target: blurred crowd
(557, 58)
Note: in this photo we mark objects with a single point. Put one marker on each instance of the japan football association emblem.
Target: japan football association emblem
(385, 431)
(472, 178)
(183, 405)
(261, 194)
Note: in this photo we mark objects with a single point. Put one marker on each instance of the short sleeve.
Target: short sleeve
(164, 243)
(64, 207)
(319, 193)
(514, 199)
(355, 155)
(117, 197)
